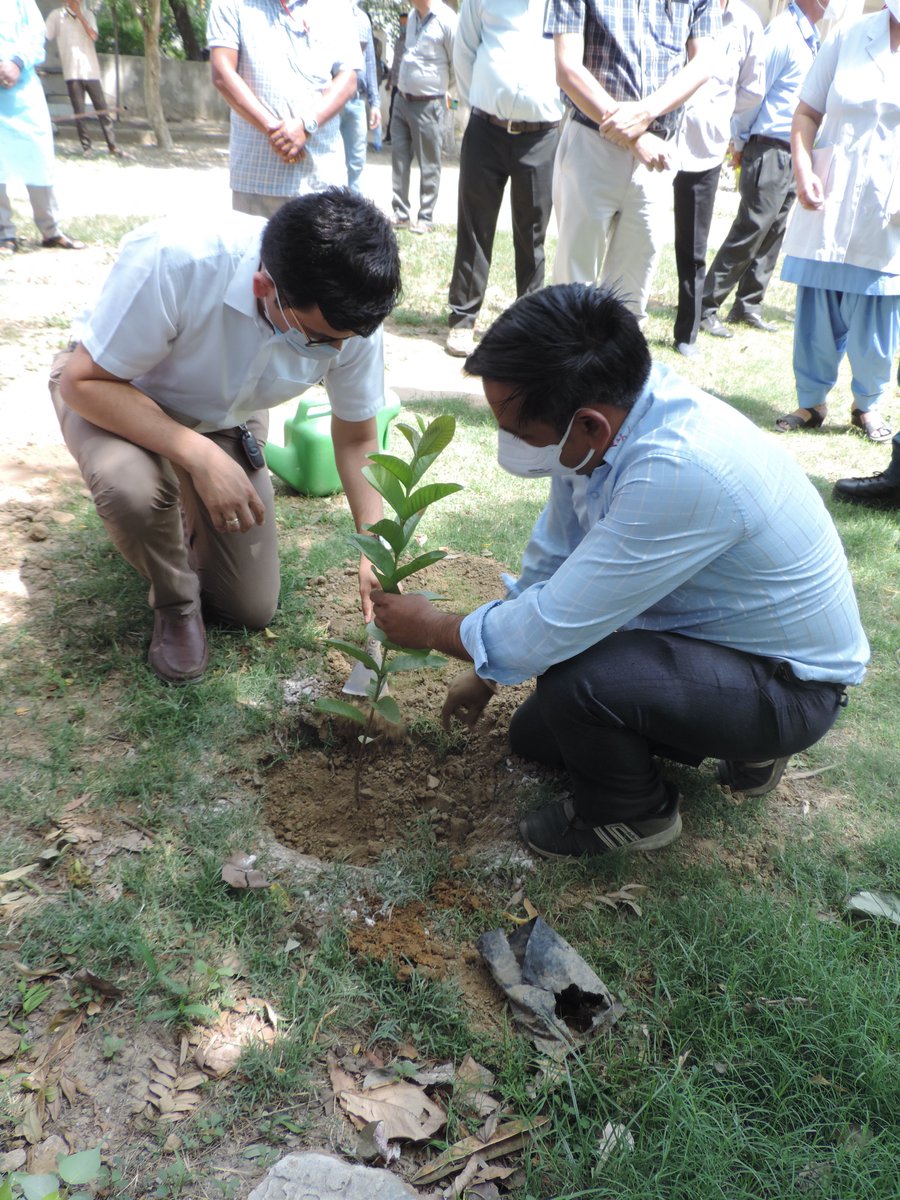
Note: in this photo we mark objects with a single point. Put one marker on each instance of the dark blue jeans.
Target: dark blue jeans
(606, 714)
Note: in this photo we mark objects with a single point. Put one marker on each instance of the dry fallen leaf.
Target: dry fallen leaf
(510, 1136)
(612, 1138)
(9, 1043)
(237, 872)
(405, 1109)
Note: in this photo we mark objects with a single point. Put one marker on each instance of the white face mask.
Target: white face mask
(532, 462)
(297, 340)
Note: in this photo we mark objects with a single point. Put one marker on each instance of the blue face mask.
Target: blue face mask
(532, 462)
(297, 339)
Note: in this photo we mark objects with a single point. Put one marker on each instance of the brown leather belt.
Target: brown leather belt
(515, 126)
(761, 140)
(416, 99)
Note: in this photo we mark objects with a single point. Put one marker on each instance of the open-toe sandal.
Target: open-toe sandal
(877, 431)
(792, 421)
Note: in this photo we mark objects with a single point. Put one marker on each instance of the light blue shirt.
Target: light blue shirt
(502, 62)
(697, 523)
(790, 43)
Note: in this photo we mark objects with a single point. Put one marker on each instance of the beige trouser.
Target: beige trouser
(613, 215)
(160, 525)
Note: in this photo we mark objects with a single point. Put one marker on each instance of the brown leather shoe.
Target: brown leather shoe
(178, 652)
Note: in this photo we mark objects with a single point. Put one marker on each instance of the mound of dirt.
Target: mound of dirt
(464, 784)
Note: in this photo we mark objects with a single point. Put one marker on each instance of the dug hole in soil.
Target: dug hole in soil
(465, 785)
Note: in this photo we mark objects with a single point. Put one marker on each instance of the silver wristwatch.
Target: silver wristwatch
(310, 124)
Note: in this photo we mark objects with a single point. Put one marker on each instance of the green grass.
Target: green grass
(757, 1055)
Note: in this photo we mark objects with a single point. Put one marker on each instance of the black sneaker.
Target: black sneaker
(554, 831)
(749, 778)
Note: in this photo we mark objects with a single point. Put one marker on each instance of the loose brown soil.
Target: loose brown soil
(463, 785)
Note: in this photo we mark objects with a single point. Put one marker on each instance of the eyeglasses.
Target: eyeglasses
(309, 341)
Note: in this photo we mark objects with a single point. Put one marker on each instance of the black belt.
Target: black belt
(407, 96)
(761, 140)
(515, 126)
(657, 127)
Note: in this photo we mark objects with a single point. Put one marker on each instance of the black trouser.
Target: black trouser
(748, 255)
(76, 89)
(606, 713)
(694, 193)
(490, 156)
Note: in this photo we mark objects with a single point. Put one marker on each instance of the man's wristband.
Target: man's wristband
(18, 61)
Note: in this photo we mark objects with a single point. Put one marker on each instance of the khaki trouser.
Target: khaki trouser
(161, 527)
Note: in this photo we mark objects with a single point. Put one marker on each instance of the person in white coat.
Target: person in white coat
(26, 136)
(843, 245)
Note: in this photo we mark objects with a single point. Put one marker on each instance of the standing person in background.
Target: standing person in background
(75, 29)
(394, 73)
(26, 135)
(355, 124)
(504, 70)
(626, 68)
(285, 68)
(738, 82)
(417, 124)
(762, 149)
(843, 245)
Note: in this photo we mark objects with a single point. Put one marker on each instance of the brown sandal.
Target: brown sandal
(791, 421)
(877, 431)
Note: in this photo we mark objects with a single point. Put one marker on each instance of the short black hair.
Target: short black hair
(567, 346)
(334, 249)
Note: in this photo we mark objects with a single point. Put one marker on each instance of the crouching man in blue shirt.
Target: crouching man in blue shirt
(684, 593)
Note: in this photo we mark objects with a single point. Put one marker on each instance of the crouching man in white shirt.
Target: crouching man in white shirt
(162, 398)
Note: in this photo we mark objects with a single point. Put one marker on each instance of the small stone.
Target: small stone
(44, 1156)
(39, 532)
(432, 781)
(61, 518)
(458, 830)
(171, 1144)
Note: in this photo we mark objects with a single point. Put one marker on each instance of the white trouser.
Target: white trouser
(613, 215)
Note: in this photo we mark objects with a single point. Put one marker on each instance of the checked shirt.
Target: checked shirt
(632, 47)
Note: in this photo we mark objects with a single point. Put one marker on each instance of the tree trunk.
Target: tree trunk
(186, 31)
(149, 12)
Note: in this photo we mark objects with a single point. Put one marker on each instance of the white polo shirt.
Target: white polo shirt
(178, 318)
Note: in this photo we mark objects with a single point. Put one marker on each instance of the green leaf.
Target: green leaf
(147, 957)
(409, 433)
(6, 1190)
(79, 1168)
(397, 467)
(420, 563)
(425, 496)
(354, 651)
(37, 1187)
(391, 531)
(200, 1012)
(409, 526)
(426, 595)
(419, 467)
(386, 485)
(376, 552)
(388, 708)
(437, 436)
(381, 637)
(341, 708)
(413, 660)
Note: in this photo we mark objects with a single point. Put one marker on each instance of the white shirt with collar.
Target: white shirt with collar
(178, 318)
(503, 63)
